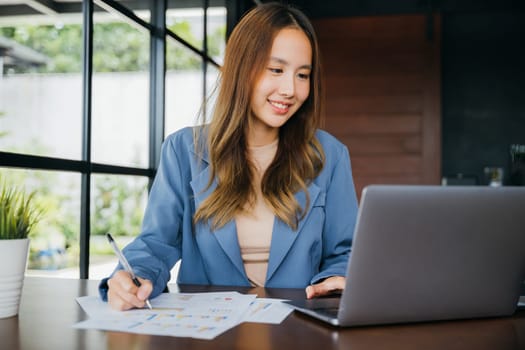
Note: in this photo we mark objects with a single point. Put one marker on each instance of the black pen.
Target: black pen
(124, 262)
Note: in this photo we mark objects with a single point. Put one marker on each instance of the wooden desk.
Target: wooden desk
(48, 311)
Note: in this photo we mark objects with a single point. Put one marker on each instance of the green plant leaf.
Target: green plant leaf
(18, 214)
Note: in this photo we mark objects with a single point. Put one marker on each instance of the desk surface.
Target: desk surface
(48, 310)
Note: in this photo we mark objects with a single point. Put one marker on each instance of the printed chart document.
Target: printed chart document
(195, 315)
(263, 310)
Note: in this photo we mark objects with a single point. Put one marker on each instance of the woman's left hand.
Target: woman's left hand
(328, 286)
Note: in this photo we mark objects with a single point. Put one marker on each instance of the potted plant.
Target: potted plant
(18, 215)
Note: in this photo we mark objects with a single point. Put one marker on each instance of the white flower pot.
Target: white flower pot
(13, 262)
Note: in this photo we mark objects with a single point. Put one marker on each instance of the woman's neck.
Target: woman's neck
(261, 136)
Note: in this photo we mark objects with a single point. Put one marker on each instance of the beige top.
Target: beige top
(255, 224)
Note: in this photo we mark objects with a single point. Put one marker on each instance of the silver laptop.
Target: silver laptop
(427, 253)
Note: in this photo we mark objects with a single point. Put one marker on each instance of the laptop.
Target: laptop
(430, 253)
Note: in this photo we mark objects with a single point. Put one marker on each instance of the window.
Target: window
(41, 86)
(189, 78)
(84, 137)
(184, 86)
(117, 206)
(120, 94)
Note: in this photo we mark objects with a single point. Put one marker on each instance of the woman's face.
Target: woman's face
(283, 86)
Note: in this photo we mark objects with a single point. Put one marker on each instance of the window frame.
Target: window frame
(85, 166)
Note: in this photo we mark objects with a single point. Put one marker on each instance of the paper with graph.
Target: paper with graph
(264, 310)
(194, 315)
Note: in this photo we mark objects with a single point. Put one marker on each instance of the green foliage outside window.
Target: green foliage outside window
(117, 47)
(118, 206)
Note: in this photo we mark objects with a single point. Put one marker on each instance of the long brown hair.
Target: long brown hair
(299, 157)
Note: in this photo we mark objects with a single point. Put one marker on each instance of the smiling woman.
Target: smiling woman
(259, 196)
(282, 88)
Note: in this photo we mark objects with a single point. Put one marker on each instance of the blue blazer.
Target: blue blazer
(318, 249)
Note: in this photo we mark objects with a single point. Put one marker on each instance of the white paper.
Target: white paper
(194, 315)
(264, 310)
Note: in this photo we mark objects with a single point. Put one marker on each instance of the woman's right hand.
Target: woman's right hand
(123, 294)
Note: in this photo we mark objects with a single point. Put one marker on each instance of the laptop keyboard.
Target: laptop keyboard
(330, 312)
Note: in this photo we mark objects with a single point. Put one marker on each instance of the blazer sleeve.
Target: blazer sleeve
(155, 251)
(341, 214)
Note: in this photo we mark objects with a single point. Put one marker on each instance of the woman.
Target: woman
(259, 196)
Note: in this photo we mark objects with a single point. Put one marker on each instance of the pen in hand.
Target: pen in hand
(124, 262)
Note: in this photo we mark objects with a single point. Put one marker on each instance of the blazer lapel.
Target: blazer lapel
(283, 236)
(226, 235)
(227, 238)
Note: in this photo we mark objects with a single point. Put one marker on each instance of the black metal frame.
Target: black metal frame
(85, 186)
(157, 81)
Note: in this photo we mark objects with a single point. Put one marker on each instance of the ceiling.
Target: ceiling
(13, 8)
(345, 8)
(313, 8)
